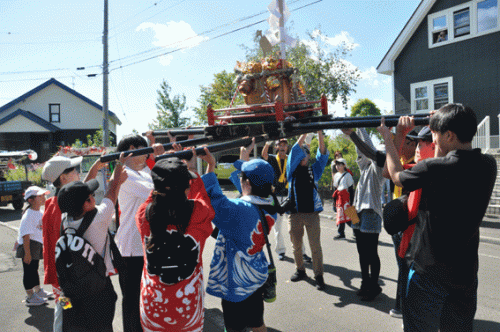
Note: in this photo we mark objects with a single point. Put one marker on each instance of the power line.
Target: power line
(55, 42)
(117, 33)
(160, 48)
(32, 71)
(34, 79)
(203, 41)
(135, 15)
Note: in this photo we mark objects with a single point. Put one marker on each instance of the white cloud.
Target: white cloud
(371, 78)
(343, 38)
(166, 59)
(384, 106)
(172, 35)
(337, 109)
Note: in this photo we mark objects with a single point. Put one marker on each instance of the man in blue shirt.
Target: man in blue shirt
(303, 188)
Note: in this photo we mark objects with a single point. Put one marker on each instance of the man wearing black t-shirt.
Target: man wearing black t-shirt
(442, 283)
(280, 184)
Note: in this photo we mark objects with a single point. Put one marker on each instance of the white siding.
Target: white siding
(20, 124)
(75, 113)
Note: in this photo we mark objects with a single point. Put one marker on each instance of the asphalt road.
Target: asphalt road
(299, 307)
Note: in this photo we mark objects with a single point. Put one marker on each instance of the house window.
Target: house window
(487, 15)
(55, 112)
(431, 95)
(468, 20)
(461, 22)
(439, 29)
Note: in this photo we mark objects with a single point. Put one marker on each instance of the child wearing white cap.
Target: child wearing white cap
(30, 248)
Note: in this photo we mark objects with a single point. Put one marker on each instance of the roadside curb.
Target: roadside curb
(14, 228)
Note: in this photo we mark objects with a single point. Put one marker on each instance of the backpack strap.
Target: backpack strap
(87, 220)
(265, 226)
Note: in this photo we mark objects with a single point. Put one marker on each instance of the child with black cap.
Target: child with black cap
(59, 171)
(75, 200)
(173, 230)
(239, 267)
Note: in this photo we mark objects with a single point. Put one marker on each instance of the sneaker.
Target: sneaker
(298, 275)
(307, 259)
(339, 237)
(372, 293)
(320, 282)
(45, 295)
(34, 300)
(396, 313)
(281, 257)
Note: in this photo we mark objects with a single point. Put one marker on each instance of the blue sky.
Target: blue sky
(44, 39)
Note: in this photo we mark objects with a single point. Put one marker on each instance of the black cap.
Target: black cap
(423, 135)
(72, 196)
(412, 134)
(171, 173)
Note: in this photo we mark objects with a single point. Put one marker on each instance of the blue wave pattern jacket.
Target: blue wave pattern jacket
(294, 158)
(239, 266)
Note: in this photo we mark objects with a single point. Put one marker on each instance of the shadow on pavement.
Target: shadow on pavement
(42, 318)
(7, 215)
(490, 224)
(486, 325)
(214, 321)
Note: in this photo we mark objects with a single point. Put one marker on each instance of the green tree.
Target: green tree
(94, 140)
(170, 109)
(348, 150)
(219, 94)
(366, 107)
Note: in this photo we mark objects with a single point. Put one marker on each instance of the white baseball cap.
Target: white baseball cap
(341, 161)
(55, 166)
(35, 191)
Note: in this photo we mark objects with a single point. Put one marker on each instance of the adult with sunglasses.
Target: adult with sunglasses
(302, 183)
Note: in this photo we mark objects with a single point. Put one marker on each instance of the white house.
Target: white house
(48, 116)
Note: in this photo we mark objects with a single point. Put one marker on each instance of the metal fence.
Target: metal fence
(482, 139)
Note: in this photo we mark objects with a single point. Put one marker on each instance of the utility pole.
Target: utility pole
(105, 78)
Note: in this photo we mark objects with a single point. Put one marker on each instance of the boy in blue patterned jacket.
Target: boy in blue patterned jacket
(239, 266)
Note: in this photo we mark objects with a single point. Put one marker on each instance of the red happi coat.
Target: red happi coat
(341, 200)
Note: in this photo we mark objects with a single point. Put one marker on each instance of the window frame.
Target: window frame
(450, 28)
(430, 93)
(51, 120)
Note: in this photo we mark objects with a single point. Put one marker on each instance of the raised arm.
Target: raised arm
(246, 150)
(405, 125)
(301, 139)
(321, 140)
(393, 165)
(117, 178)
(369, 151)
(265, 150)
(98, 165)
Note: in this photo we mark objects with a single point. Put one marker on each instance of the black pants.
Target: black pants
(367, 245)
(30, 274)
(91, 314)
(403, 269)
(130, 284)
(341, 229)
